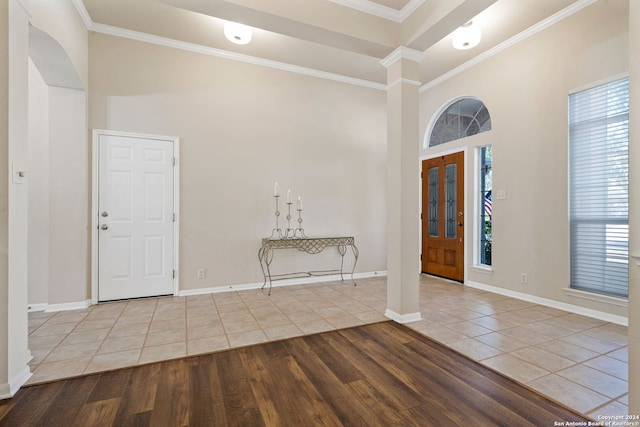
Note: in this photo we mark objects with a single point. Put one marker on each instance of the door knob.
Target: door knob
(459, 224)
(104, 227)
(105, 214)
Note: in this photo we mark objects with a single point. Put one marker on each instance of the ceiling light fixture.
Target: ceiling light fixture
(237, 33)
(467, 36)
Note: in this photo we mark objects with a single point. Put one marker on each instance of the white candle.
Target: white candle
(299, 203)
(288, 196)
(275, 189)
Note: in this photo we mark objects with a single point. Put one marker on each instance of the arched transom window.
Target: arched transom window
(465, 117)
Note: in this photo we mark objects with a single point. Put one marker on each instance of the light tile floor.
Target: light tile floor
(576, 360)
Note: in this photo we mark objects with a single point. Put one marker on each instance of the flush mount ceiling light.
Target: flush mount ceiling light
(467, 36)
(237, 33)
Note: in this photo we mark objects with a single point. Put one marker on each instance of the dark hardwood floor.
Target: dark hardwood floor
(382, 374)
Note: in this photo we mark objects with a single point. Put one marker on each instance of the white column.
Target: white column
(14, 49)
(634, 208)
(4, 199)
(403, 184)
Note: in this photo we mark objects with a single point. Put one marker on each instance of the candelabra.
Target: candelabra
(299, 229)
(276, 232)
(289, 232)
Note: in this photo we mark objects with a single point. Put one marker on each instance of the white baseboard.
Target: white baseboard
(60, 307)
(600, 315)
(19, 380)
(403, 318)
(280, 283)
(7, 391)
(216, 289)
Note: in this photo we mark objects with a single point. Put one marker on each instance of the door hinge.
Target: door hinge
(174, 161)
(174, 274)
(421, 216)
(174, 217)
(420, 257)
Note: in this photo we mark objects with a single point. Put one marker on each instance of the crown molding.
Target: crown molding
(402, 52)
(192, 47)
(82, 11)
(382, 11)
(545, 23)
(404, 81)
(196, 48)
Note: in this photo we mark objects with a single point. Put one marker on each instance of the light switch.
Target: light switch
(18, 175)
(501, 194)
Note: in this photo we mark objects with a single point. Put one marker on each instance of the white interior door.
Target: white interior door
(135, 217)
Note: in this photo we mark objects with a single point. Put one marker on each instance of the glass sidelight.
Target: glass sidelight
(451, 201)
(433, 202)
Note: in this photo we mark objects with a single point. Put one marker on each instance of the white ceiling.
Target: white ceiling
(395, 10)
(346, 38)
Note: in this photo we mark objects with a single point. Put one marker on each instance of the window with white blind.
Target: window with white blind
(598, 187)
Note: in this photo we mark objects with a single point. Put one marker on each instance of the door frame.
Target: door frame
(95, 178)
(432, 155)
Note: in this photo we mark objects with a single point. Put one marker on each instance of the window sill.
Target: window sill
(485, 269)
(621, 302)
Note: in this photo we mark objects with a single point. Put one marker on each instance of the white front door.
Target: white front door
(135, 216)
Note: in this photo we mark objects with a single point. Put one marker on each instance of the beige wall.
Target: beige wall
(59, 251)
(242, 127)
(38, 188)
(61, 21)
(69, 260)
(525, 89)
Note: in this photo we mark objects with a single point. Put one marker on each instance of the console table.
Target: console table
(309, 245)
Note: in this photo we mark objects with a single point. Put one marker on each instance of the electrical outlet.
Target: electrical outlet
(201, 273)
(523, 278)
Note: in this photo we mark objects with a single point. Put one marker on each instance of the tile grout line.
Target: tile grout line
(446, 297)
(105, 337)
(59, 344)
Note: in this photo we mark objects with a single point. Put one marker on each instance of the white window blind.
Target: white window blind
(599, 219)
